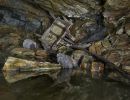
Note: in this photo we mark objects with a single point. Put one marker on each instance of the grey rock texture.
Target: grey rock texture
(66, 61)
(29, 44)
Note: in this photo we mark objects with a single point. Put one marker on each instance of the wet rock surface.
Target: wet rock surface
(17, 64)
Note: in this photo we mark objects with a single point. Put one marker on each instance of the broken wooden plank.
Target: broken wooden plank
(55, 33)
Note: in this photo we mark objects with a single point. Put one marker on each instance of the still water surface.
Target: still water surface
(82, 88)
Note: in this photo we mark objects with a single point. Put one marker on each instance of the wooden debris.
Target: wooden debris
(55, 35)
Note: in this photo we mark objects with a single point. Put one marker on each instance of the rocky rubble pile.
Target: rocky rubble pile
(100, 26)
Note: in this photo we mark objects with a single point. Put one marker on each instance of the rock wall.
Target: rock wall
(103, 23)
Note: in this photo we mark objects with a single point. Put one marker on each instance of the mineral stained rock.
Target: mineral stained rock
(127, 29)
(97, 69)
(115, 11)
(16, 64)
(9, 40)
(115, 49)
(85, 61)
(22, 53)
(100, 46)
(117, 42)
(118, 4)
(40, 55)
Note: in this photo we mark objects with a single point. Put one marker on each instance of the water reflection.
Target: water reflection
(82, 87)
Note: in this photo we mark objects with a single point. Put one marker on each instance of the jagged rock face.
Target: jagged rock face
(127, 29)
(32, 15)
(80, 11)
(118, 4)
(9, 38)
(115, 49)
(70, 8)
(117, 42)
(115, 10)
(20, 14)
